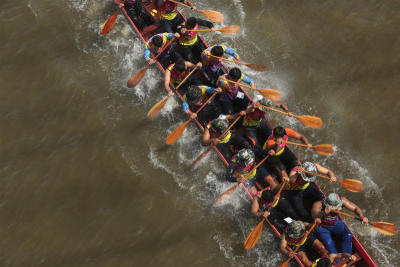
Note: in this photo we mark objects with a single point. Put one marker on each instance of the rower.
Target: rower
(301, 185)
(227, 144)
(176, 72)
(331, 226)
(194, 99)
(293, 236)
(276, 146)
(241, 170)
(190, 45)
(281, 208)
(232, 99)
(136, 12)
(212, 67)
(255, 125)
(155, 45)
(170, 19)
(327, 261)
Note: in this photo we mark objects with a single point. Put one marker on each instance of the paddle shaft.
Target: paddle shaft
(165, 47)
(245, 85)
(187, 77)
(319, 175)
(258, 165)
(164, 100)
(297, 144)
(276, 110)
(202, 155)
(230, 60)
(231, 189)
(347, 215)
(179, 3)
(307, 234)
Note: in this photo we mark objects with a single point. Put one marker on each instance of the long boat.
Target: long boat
(363, 259)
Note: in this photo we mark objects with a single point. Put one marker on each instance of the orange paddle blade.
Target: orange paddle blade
(202, 155)
(324, 149)
(157, 107)
(176, 133)
(286, 263)
(231, 29)
(385, 228)
(352, 185)
(270, 93)
(310, 121)
(212, 15)
(109, 23)
(137, 77)
(253, 237)
(257, 67)
(226, 193)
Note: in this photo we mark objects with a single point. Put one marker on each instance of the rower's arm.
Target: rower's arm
(325, 171)
(206, 139)
(296, 135)
(354, 208)
(232, 53)
(189, 3)
(147, 50)
(281, 106)
(167, 80)
(293, 176)
(205, 23)
(316, 210)
(255, 206)
(189, 65)
(229, 172)
(283, 245)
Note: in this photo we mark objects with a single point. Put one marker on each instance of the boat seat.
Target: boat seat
(347, 263)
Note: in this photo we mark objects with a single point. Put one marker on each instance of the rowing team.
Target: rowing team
(251, 139)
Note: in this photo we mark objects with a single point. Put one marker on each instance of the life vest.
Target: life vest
(329, 220)
(270, 141)
(230, 89)
(156, 50)
(175, 76)
(168, 11)
(249, 120)
(295, 241)
(209, 61)
(129, 2)
(299, 184)
(248, 171)
(189, 37)
(314, 264)
(263, 202)
(214, 134)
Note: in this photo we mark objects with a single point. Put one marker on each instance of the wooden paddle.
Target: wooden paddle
(310, 121)
(231, 29)
(210, 14)
(202, 155)
(257, 67)
(253, 237)
(270, 93)
(382, 227)
(286, 263)
(157, 107)
(109, 23)
(178, 131)
(350, 184)
(138, 76)
(232, 189)
(324, 149)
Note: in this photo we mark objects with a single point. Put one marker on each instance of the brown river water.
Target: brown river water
(86, 179)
